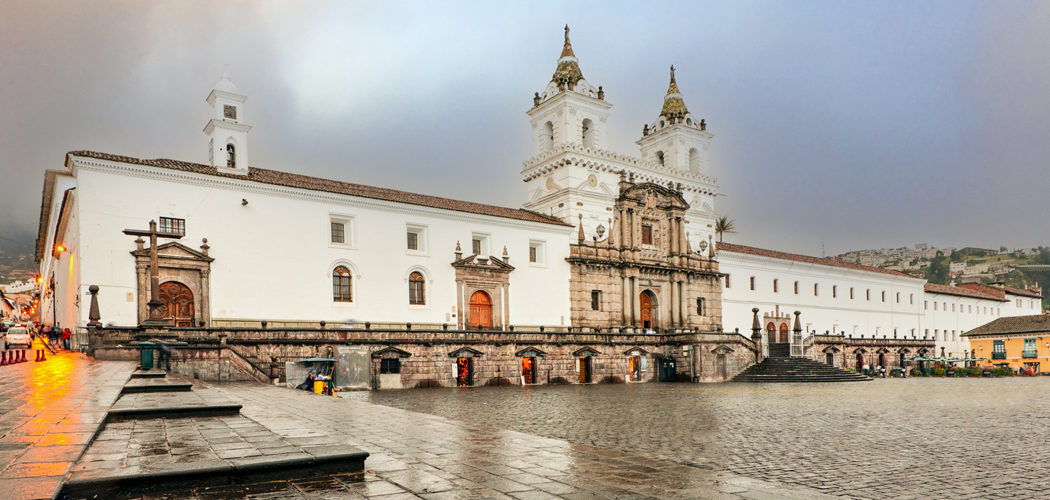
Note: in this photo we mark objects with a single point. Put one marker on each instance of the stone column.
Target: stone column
(634, 303)
(460, 316)
(506, 305)
(681, 304)
(624, 292)
(671, 300)
(205, 312)
(143, 290)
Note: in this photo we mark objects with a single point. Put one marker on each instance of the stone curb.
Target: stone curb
(122, 415)
(320, 460)
(149, 388)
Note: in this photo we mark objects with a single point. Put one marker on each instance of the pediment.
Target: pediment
(831, 349)
(655, 196)
(530, 352)
(721, 350)
(174, 250)
(586, 352)
(492, 264)
(465, 352)
(391, 352)
(636, 351)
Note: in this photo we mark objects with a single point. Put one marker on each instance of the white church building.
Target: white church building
(367, 254)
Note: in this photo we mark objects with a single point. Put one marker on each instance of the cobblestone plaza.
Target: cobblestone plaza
(913, 438)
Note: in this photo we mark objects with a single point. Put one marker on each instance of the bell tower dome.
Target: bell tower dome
(676, 140)
(569, 110)
(227, 135)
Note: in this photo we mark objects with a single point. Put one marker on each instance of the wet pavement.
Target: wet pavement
(416, 455)
(49, 412)
(892, 438)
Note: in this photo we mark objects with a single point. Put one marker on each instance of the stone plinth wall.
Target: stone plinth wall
(428, 358)
(844, 350)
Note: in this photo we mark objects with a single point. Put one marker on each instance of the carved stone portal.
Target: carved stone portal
(185, 282)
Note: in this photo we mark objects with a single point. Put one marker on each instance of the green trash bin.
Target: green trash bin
(146, 355)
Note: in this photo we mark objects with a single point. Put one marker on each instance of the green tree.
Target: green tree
(724, 225)
(956, 256)
(938, 270)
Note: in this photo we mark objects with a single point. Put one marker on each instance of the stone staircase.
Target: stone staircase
(780, 367)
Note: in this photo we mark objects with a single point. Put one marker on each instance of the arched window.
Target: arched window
(694, 161)
(588, 133)
(341, 285)
(547, 138)
(660, 157)
(231, 156)
(415, 289)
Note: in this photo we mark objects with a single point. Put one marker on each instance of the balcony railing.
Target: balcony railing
(1029, 354)
(998, 355)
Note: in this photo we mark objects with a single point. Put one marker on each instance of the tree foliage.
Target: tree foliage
(724, 225)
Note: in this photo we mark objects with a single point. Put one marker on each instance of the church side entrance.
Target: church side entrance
(646, 301)
(480, 311)
(666, 370)
(178, 303)
(528, 370)
(464, 372)
(584, 369)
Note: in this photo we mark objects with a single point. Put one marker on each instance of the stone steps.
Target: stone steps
(787, 369)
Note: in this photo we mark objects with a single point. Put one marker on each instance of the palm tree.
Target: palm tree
(724, 225)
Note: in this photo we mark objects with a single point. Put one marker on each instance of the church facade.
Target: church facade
(606, 244)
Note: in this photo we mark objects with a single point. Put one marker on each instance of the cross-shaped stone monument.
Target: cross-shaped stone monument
(156, 315)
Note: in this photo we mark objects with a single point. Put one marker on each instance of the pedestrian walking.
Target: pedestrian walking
(66, 334)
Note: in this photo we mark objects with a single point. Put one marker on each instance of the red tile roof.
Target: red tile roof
(963, 291)
(1001, 290)
(729, 247)
(1035, 324)
(286, 179)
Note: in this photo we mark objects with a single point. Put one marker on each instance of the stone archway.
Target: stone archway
(178, 303)
(480, 311)
(647, 309)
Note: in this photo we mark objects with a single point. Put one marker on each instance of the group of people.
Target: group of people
(874, 371)
(54, 336)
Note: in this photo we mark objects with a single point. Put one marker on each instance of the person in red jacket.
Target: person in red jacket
(65, 337)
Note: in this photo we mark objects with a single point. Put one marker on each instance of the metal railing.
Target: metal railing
(998, 355)
(1029, 354)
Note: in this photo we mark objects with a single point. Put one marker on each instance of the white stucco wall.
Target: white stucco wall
(274, 259)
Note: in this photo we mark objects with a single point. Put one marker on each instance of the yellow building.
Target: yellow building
(1020, 341)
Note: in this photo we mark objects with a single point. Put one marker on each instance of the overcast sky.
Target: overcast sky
(859, 124)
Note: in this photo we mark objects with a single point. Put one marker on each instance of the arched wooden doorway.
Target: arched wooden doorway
(178, 303)
(480, 311)
(860, 361)
(646, 305)
(784, 336)
(771, 330)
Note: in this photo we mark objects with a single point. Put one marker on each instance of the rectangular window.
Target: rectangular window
(596, 300)
(338, 232)
(998, 349)
(796, 288)
(416, 239)
(834, 291)
(969, 309)
(851, 293)
(898, 297)
(341, 230)
(699, 306)
(953, 307)
(752, 282)
(392, 365)
(169, 225)
(476, 247)
(647, 234)
(911, 298)
(537, 253)
(775, 286)
(727, 281)
(884, 296)
(815, 290)
(867, 294)
(925, 304)
(1029, 348)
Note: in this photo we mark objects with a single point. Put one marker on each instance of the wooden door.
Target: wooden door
(585, 369)
(480, 311)
(647, 310)
(178, 303)
(771, 329)
(784, 338)
(464, 372)
(528, 370)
